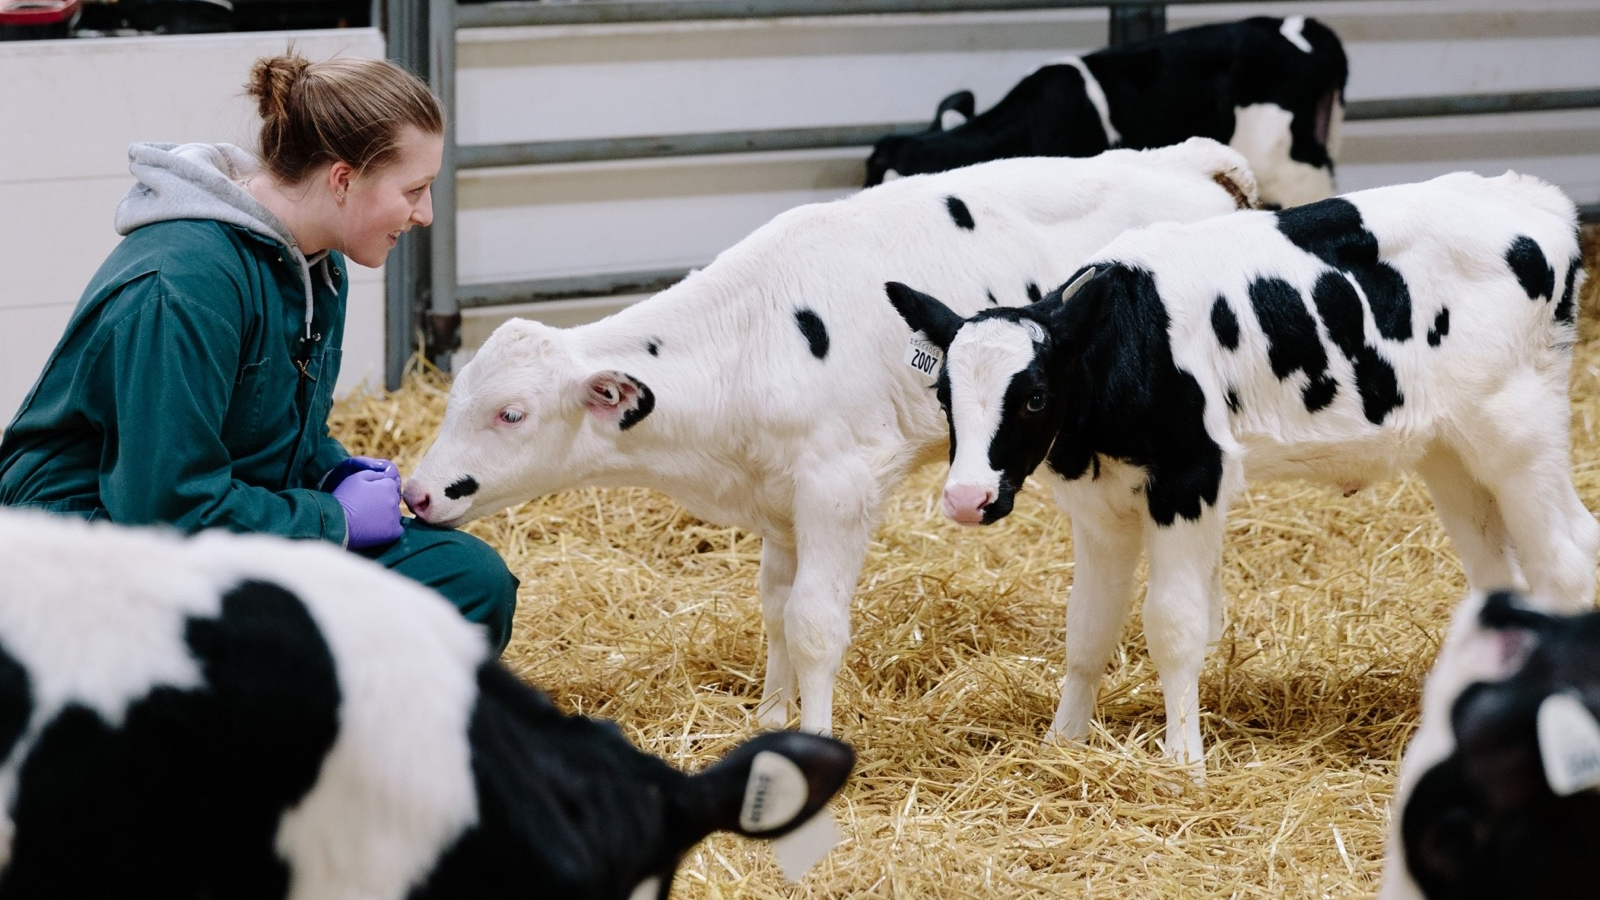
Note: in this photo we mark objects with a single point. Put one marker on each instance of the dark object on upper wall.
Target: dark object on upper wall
(105, 19)
(22, 20)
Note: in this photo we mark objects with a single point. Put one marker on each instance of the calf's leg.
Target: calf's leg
(1177, 621)
(835, 511)
(1106, 541)
(1519, 452)
(1472, 519)
(780, 694)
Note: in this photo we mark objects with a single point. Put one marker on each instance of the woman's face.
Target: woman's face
(382, 204)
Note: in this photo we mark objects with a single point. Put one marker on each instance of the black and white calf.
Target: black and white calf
(774, 390)
(253, 718)
(1499, 789)
(1271, 88)
(1425, 326)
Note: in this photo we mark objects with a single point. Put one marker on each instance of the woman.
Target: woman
(193, 383)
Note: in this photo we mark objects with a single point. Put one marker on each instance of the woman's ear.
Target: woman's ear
(339, 177)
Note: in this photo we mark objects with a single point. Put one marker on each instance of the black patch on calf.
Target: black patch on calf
(653, 348)
(1332, 231)
(1565, 309)
(465, 486)
(1440, 329)
(1533, 271)
(1225, 324)
(1343, 316)
(566, 806)
(992, 300)
(1125, 397)
(16, 702)
(183, 797)
(646, 403)
(815, 332)
(1034, 294)
(959, 213)
(1234, 403)
(1292, 340)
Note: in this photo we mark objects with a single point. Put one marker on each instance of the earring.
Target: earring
(341, 198)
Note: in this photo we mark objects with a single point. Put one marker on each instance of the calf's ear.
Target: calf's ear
(611, 395)
(954, 111)
(924, 313)
(769, 785)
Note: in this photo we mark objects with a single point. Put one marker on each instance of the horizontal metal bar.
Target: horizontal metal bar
(478, 156)
(1472, 104)
(599, 149)
(606, 284)
(608, 12)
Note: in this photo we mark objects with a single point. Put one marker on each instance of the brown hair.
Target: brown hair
(348, 109)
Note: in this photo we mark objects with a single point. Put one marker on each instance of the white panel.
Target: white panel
(57, 238)
(173, 88)
(31, 333)
(667, 78)
(575, 219)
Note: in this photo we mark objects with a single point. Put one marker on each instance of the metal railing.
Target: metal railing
(423, 293)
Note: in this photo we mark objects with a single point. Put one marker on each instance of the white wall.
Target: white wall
(68, 111)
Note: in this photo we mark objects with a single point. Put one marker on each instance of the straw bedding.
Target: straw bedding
(634, 610)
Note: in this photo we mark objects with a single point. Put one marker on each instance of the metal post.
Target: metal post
(1130, 23)
(405, 275)
(442, 322)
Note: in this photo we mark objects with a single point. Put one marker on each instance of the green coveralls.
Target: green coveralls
(185, 391)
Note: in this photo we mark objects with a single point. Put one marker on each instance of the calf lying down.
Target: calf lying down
(1499, 789)
(1273, 89)
(1425, 326)
(246, 717)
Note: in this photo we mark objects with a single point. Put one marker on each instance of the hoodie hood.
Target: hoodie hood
(205, 181)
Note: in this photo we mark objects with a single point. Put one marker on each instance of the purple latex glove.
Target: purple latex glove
(371, 502)
(354, 464)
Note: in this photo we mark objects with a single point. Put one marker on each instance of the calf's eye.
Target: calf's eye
(510, 416)
(1035, 404)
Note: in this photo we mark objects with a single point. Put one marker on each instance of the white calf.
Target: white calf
(773, 390)
(1425, 326)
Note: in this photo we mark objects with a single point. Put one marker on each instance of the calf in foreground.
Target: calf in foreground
(247, 717)
(1499, 789)
(1425, 326)
(774, 391)
(1273, 89)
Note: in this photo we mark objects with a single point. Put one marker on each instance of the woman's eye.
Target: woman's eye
(1035, 404)
(510, 416)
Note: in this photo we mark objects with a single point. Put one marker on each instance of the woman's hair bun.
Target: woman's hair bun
(272, 79)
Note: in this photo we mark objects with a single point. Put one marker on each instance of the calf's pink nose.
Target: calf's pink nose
(418, 500)
(965, 503)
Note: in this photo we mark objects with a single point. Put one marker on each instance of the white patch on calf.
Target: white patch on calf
(1293, 29)
(100, 633)
(1261, 135)
(648, 889)
(983, 359)
(1097, 96)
